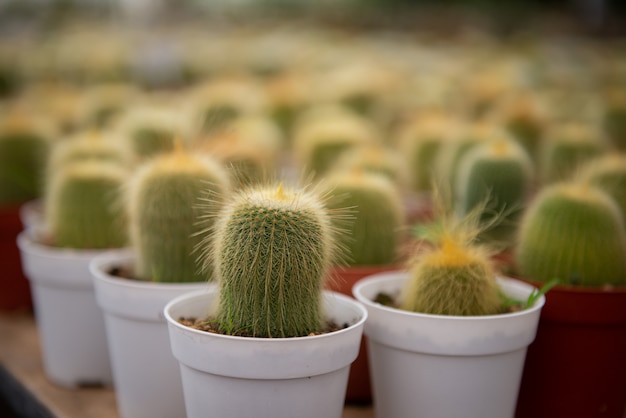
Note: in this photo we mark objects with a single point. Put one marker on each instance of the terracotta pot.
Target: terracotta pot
(576, 366)
(359, 384)
(14, 286)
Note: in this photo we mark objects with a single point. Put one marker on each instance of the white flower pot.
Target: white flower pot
(69, 321)
(146, 374)
(436, 366)
(239, 377)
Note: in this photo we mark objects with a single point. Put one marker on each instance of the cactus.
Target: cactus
(250, 149)
(151, 130)
(218, 103)
(374, 158)
(163, 207)
(448, 157)
(573, 232)
(23, 153)
(499, 173)
(374, 237)
(524, 118)
(272, 250)
(609, 174)
(320, 139)
(421, 142)
(83, 206)
(90, 145)
(454, 275)
(566, 149)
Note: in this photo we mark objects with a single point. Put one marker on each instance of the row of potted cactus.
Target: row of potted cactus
(339, 148)
(81, 176)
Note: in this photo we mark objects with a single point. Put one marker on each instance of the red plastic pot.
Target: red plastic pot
(576, 367)
(14, 287)
(359, 389)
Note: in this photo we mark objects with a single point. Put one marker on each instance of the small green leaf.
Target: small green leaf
(537, 293)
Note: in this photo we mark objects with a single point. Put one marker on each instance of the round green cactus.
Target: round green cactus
(574, 233)
(524, 118)
(163, 207)
(374, 158)
(566, 149)
(152, 130)
(89, 145)
(454, 150)
(320, 141)
(22, 165)
(272, 250)
(83, 206)
(609, 174)
(498, 176)
(453, 275)
(421, 142)
(374, 236)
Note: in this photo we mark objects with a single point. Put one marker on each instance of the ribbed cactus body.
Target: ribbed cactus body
(375, 202)
(272, 250)
(421, 141)
(449, 157)
(164, 208)
(452, 279)
(83, 206)
(574, 233)
(497, 176)
(609, 174)
(319, 143)
(566, 149)
(22, 166)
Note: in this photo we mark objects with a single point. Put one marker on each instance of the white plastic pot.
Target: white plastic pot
(146, 374)
(239, 377)
(437, 366)
(69, 321)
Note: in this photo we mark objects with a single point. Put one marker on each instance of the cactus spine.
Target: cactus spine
(454, 276)
(575, 233)
(83, 206)
(163, 206)
(272, 249)
(378, 216)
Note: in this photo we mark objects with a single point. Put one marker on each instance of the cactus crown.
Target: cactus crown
(378, 215)
(163, 205)
(83, 206)
(453, 275)
(271, 250)
(609, 174)
(573, 232)
(89, 145)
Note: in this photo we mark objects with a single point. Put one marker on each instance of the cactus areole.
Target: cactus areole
(272, 251)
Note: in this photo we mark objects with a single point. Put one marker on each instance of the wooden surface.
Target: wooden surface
(22, 378)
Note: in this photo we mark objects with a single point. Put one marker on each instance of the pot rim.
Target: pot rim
(275, 340)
